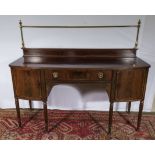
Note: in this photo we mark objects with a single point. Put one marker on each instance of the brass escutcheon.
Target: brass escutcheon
(55, 75)
(100, 75)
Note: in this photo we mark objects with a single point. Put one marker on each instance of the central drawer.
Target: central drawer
(78, 75)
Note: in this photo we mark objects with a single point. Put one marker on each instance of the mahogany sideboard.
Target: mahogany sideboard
(120, 71)
(122, 74)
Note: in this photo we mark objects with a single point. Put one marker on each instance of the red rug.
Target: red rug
(74, 125)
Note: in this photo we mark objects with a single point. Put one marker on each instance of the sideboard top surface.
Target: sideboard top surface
(114, 64)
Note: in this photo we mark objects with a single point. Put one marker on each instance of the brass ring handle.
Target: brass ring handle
(100, 75)
(55, 75)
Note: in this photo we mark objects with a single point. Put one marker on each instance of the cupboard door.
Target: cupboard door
(27, 83)
(129, 84)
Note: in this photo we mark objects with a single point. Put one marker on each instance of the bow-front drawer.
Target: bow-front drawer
(78, 75)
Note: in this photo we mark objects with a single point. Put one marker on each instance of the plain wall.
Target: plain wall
(147, 52)
(78, 97)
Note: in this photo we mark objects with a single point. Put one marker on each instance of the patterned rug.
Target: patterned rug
(74, 125)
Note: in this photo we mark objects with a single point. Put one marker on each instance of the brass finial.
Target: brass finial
(20, 23)
(139, 22)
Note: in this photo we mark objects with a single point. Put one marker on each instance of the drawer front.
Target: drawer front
(78, 75)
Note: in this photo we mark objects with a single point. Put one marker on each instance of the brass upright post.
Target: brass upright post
(21, 31)
(137, 37)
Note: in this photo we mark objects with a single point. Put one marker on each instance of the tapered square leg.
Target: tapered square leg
(30, 104)
(46, 116)
(140, 114)
(18, 112)
(110, 117)
(129, 107)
